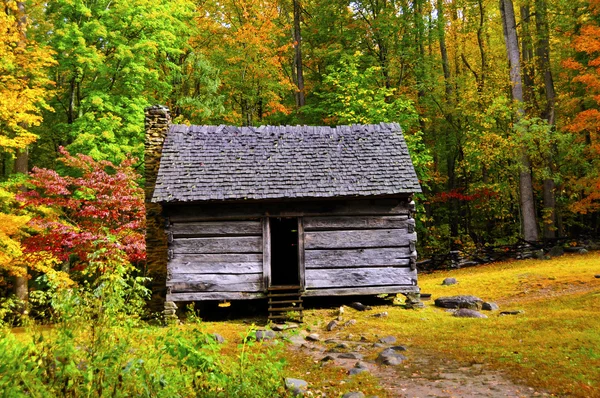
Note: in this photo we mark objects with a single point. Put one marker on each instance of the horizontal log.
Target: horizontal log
(215, 228)
(359, 277)
(244, 244)
(356, 222)
(344, 258)
(215, 263)
(215, 283)
(357, 291)
(213, 296)
(357, 238)
(249, 210)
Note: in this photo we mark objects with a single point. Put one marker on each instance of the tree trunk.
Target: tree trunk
(300, 96)
(526, 197)
(22, 156)
(543, 59)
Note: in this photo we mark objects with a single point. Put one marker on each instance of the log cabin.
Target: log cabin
(247, 212)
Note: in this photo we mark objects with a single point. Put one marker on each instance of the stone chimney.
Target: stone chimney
(157, 121)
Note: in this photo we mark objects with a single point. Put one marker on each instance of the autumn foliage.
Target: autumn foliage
(100, 207)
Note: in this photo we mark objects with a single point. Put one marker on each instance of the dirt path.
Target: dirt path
(423, 374)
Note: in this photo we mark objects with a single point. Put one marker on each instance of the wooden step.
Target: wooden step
(285, 309)
(283, 295)
(290, 287)
(285, 301)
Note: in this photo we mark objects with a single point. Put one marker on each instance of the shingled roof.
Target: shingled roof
(208, 163)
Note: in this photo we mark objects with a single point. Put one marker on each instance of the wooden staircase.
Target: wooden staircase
(285, 301)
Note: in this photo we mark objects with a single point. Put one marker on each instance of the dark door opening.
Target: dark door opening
(284, 252)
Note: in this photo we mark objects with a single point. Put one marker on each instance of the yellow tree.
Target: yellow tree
(249, 40)
(23, 93)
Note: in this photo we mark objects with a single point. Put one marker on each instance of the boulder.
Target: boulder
(467, 313)
(359, 306)
(265, 335)
(218, 338)
(296, 386)
(355, 371)
(350, 322)
(383, 314)
(332, 325)
(353, 394)
(449, 281)
(390, 357)
(556, 251)
(489, 306)
(313, 337)
(387, 340)
(398, 348)
(350, 355)
(516, 312)
(470, 302)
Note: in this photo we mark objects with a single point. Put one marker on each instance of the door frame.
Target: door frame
(266, 228)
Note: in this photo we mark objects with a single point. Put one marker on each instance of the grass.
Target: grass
(554, 345)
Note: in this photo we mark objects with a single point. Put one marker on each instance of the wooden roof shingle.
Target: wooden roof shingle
(211, 163)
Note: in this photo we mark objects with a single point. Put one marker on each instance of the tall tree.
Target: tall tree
(509, 25)
(299, 73)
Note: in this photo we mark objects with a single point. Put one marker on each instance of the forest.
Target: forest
(499, 103)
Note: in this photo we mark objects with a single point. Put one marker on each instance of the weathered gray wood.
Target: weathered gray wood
(301, 253)
(357, 238)
(215, 228)
(372, 290)
(244, 244)
(345, 258)
(200, 296)
(215, 283)
(356, 222)
(248, 210)
(215, 263)
(357, 277)
(266, 231)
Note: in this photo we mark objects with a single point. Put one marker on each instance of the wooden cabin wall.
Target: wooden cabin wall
(351, 247)
(359, 254)
(215, 260)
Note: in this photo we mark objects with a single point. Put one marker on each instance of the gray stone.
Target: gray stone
(516, 312)
(342, 345)
(383, 314)
(582, 251)
(556, 251)
(489, 306)
(390, 357)
(170, 305)
(327, 358)
(313, 337)
(355, 371)
(467, 313)
(378, 345)
(387, 340)
(464, 301)
(332, 325)
(360, 365)
(296, 386)
(359, 306)
(353, 394)
(278, 328)
(449, 281)
(350, 355)
(265, 335)
(218, 338)
(169, 312)
(296, 339)
(398, 348)
(350, 322)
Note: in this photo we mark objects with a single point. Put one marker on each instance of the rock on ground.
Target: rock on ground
(467, 313)
(387, 340)
(353, 394)
(489, 306)
(464, 301)
(390, 357)
(296, 386)
(449, 281)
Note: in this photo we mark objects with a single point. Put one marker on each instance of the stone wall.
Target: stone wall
(157, 121)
